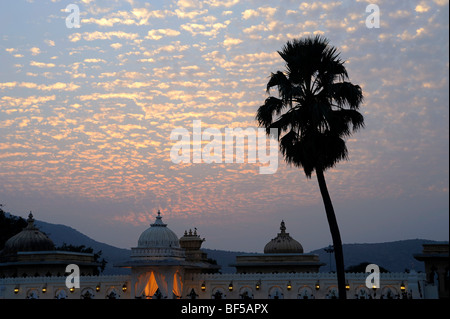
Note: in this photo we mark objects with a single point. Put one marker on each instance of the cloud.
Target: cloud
(189, 4)
(144, 15)
(98, 35)
(231, 41)
(116, 45)
(108, 22)
(42, 64)
(94, 60)
(207, 29)
(58, 86)
(158, 34)
(247, 14)
(136, 17)
(222, 3)
(267, 12)
(175, 46)
(41, 87)
(316, 5)
(25, 102)
(256, 57)
(7, 85)
(422, 7)
(35, 50)
(191, 15)
(219, 59)
(50, 43)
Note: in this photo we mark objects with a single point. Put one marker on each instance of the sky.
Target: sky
(86, 116)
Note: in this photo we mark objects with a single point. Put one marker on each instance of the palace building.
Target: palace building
(283, 254)
(32, 253)
(163, 266)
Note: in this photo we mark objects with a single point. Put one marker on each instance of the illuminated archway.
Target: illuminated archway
(168, 281)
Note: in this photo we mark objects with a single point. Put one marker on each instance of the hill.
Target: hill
(224, 258)
(394, 256)
(64, 234)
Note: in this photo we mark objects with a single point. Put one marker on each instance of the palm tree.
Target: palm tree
(315, 110)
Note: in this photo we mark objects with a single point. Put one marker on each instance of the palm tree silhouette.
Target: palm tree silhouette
(315, 110)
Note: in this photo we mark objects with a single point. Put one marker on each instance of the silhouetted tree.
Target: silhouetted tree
(9, 226)
(315, 110)
(88, 250)
(361, 267)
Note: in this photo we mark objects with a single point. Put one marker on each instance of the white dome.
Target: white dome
(158, 236)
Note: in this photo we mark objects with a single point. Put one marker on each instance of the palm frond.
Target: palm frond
(346, 93)
(271, 106)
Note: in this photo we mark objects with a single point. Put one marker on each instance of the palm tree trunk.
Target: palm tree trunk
(335, 235)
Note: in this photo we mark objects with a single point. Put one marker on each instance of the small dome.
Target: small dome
(29, 239)
(283, 244)
(158, 236)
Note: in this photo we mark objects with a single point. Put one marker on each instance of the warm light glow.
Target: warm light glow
(72, 289)
(230, 287)
(258, 285)
(347, 286)
(16, 290)
(402, 287)
(44, 290)
(97, 288)
(203, 286)
(124, 287)
(289, 286)
(317, 286)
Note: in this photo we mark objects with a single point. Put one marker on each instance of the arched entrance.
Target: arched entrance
(167, 281)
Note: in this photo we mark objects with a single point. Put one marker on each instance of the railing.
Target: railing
(157, 252)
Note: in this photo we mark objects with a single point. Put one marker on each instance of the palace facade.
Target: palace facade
(165, 266)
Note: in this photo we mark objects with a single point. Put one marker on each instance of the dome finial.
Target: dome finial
(158, 220)
(282, 227)
(30, 221)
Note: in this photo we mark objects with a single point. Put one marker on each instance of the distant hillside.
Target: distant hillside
(394, 256)
(64, 234)
(224, 258)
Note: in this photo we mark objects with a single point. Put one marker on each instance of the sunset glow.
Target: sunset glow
(86, 116)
